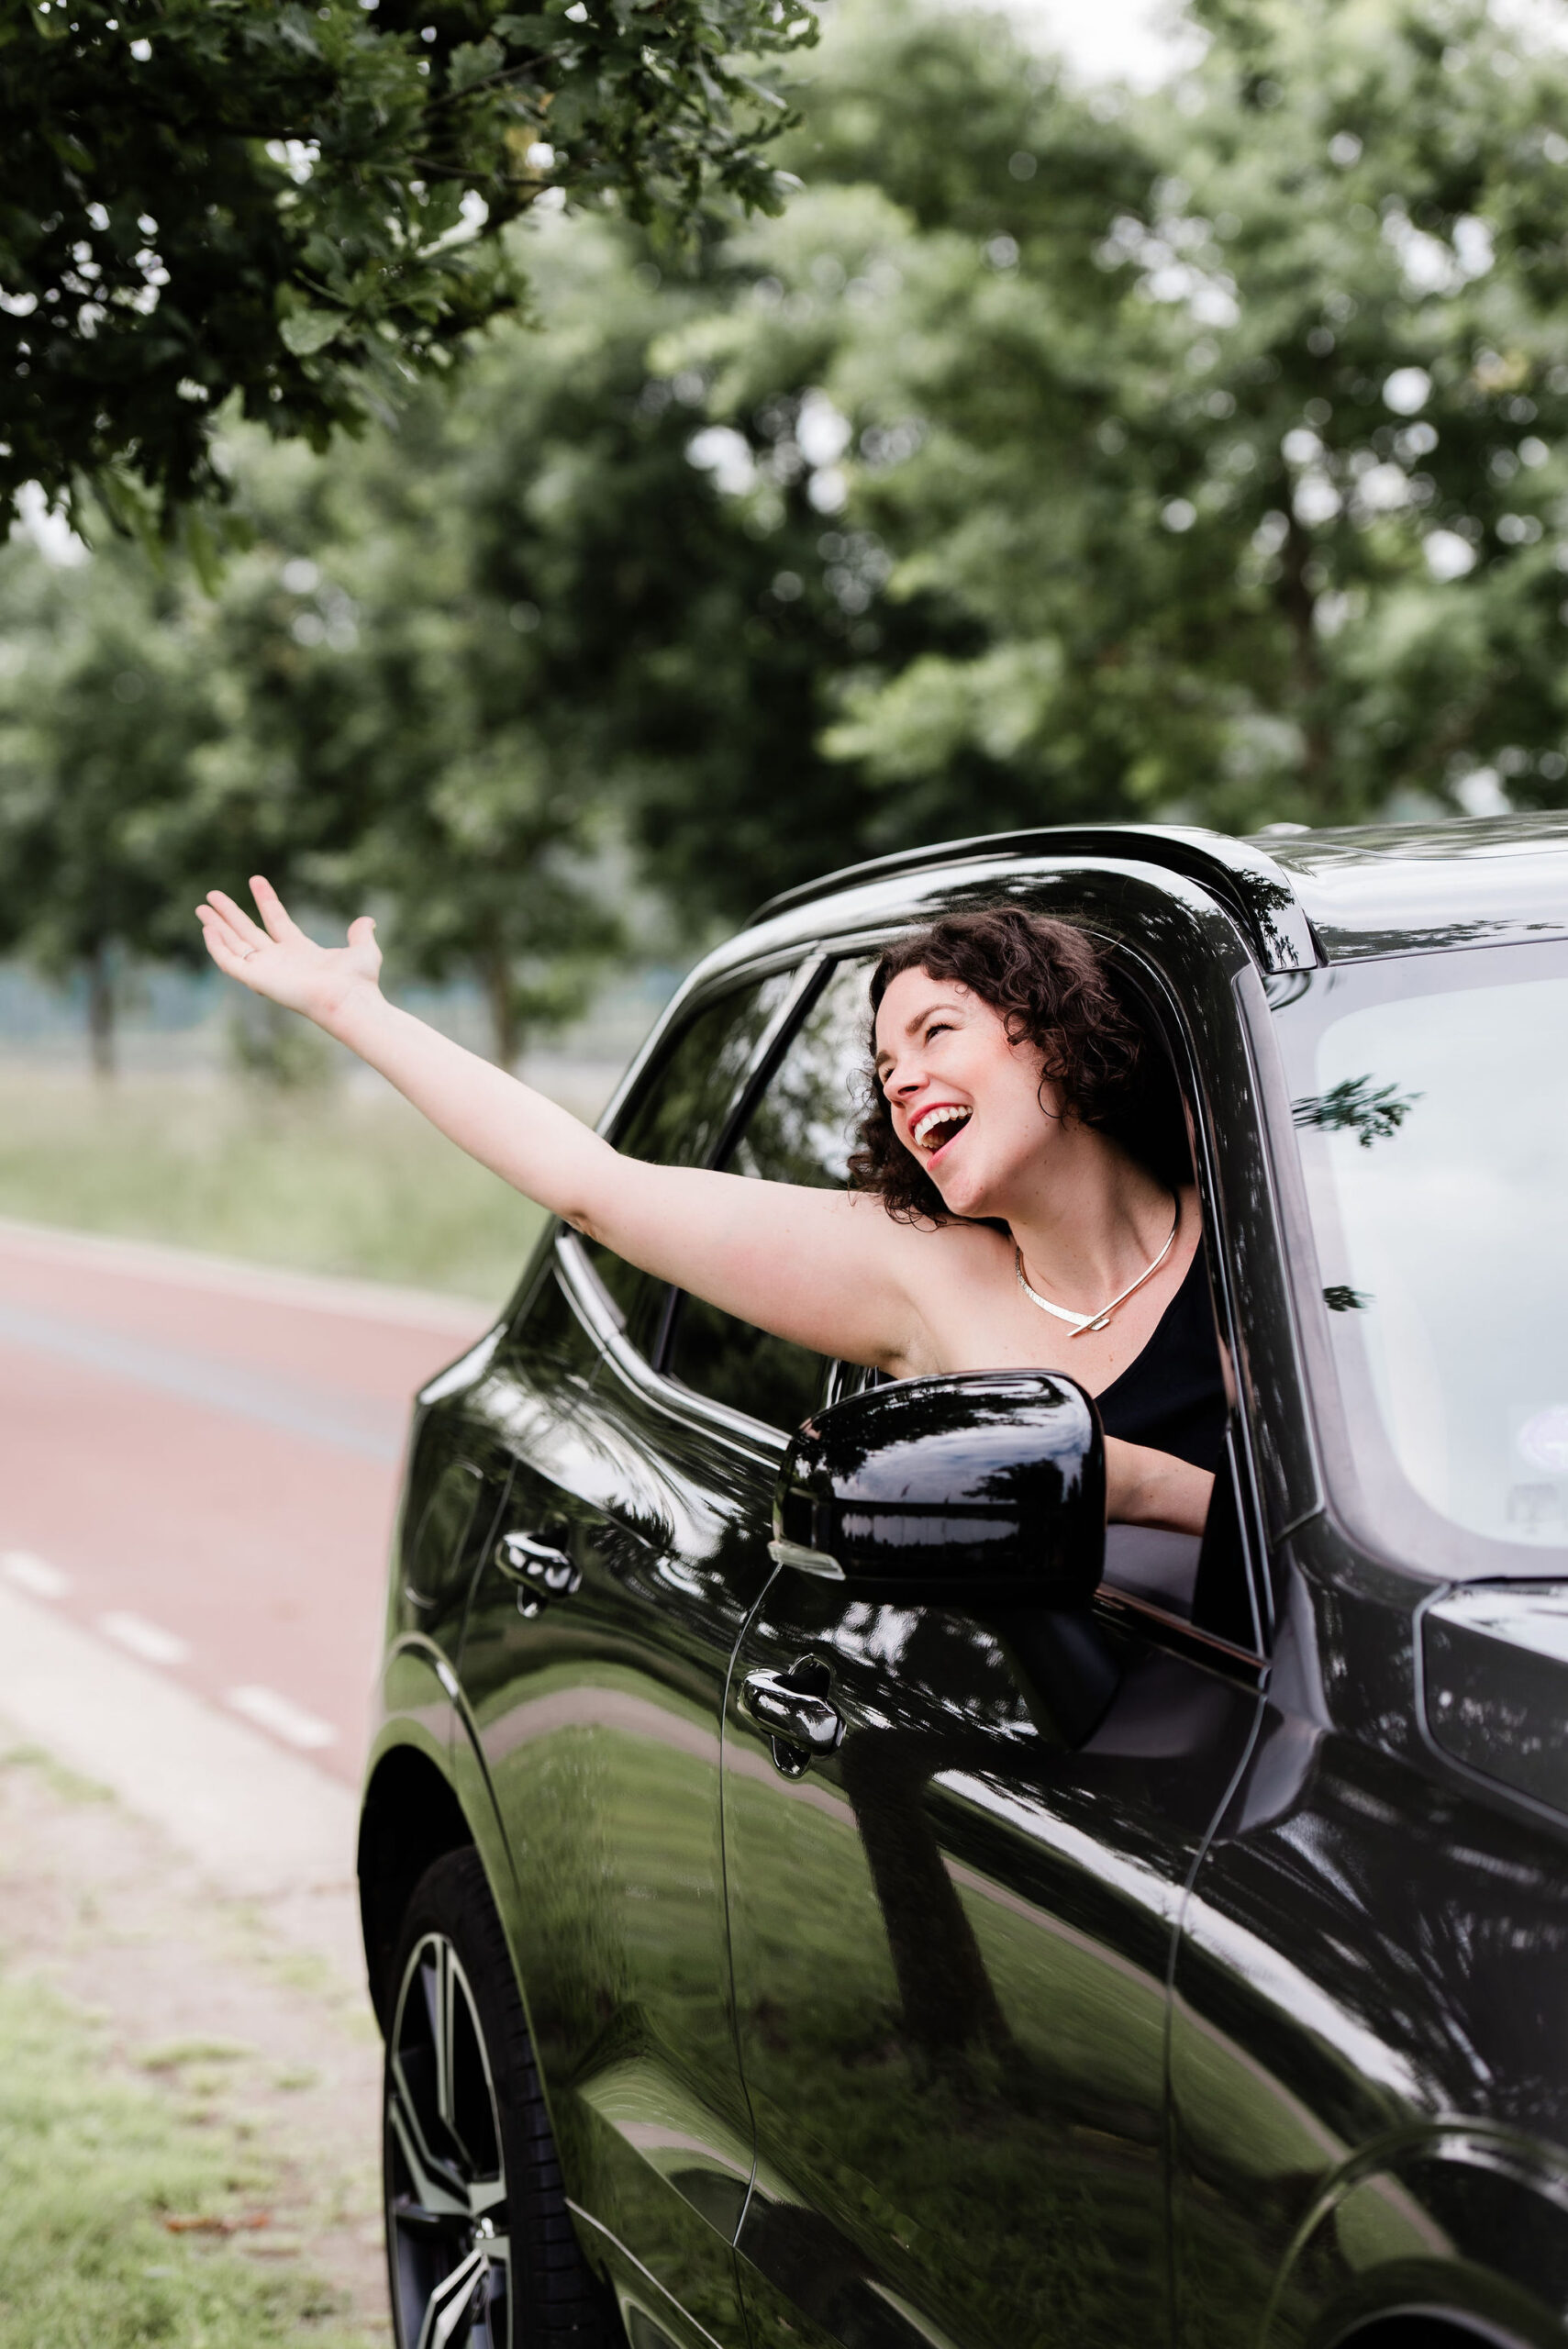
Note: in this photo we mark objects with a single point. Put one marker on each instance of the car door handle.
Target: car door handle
(800, 1716)
(541, 1570)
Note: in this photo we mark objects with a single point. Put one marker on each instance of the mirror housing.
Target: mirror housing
(983, 1489)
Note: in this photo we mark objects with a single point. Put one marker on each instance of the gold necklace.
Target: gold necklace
(1079, 1322)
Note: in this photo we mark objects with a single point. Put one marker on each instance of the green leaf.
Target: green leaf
(476, 60)
(304, 332)
(531, 32)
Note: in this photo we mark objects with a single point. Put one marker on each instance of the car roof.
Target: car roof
(1299, 898)
(1405, 888)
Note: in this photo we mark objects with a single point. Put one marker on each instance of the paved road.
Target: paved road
(199, 1463)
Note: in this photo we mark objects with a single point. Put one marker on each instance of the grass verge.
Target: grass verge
(330, 1182)
(128, 2214)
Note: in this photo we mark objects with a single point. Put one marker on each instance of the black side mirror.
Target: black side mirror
(984, 1490)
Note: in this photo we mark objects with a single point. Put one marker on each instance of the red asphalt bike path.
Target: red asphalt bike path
(212, 1452)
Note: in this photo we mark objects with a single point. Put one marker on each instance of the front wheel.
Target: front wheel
(479, 2248)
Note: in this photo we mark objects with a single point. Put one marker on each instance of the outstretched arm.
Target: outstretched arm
(532, 1143)
(826, 1268)
(817, 1266)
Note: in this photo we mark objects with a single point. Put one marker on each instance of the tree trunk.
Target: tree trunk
(1298, 600)
(100, 1011)
(505, 1026)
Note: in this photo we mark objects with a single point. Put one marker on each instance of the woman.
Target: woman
(994, 1218)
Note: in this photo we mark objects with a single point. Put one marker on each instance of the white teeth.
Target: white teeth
(933, 1121)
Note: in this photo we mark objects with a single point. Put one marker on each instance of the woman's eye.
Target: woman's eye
(938, 1028)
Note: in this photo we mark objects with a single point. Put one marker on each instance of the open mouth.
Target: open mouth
(934, 1127)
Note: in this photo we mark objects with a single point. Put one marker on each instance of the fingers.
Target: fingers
(230, 954)
(236, 920)
(217, 930)
(361, 930)
(270, 908)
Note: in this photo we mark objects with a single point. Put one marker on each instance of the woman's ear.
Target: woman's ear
(1052, 1064)
(1048, 1093)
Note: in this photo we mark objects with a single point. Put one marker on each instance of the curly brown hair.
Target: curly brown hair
(1051, 983)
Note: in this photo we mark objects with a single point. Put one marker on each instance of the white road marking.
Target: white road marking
(34, 1575)
(283, 1716)
(148, 1640)
(412, 1308)
(263, 1823)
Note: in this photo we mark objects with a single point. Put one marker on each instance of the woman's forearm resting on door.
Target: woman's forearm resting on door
(1148, 1487)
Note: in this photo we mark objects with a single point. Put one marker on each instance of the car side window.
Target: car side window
(677, 1116)
(799, 1131)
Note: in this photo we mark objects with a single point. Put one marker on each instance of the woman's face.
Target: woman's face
(968, 1103)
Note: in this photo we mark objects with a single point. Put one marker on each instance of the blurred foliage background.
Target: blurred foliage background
(1057, 452)
(298, 207)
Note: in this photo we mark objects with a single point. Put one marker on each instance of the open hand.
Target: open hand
(276, 957)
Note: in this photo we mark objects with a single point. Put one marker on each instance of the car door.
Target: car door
(599, 1631)
(688, 1439)
(951, 1939)
(951, 1942)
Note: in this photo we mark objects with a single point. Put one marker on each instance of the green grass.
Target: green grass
(327, 1182)
(94, 2168)
(66, 1784)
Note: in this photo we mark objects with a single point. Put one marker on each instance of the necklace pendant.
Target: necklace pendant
(1079, 1322)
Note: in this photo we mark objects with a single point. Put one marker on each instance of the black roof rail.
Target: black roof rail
(1244, 878)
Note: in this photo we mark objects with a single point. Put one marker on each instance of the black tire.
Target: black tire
(480, 2253)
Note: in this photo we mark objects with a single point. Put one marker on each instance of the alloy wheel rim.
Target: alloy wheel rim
(448, 2231)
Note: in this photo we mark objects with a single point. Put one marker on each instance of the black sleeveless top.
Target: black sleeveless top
(1172, 1395)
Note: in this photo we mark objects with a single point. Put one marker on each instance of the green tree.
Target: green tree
(106, 699)
(385, 702)
(933, 300)
(537, 606)
(1050, 457)
(1386, 190)
(299, 207)
(1240, 450)
(685, 646)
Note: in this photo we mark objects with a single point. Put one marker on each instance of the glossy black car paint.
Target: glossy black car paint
(1240, 2017)
(945, 1490)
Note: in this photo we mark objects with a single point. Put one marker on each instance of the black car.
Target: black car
(820, 1889)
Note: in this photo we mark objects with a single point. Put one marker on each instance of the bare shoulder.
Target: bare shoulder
(952, 1274)
(916, 1239)
(908, 1277)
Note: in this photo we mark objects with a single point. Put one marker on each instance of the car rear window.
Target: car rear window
(798, 1130)
(677, 1114)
